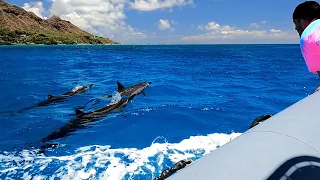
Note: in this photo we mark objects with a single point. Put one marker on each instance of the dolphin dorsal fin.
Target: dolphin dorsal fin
(120, 87)
(79, 112)
(50, 96)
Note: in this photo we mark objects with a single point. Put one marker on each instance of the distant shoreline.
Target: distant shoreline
(132, 44)
(57, 44)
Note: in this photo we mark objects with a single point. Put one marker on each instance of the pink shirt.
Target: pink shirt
(310, 46)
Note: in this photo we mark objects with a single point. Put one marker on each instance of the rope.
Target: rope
(176, 167)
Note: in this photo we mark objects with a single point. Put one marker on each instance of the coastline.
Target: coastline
(23, 44)
(2, 45)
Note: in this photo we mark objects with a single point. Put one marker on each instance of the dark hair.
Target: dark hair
(308, 10)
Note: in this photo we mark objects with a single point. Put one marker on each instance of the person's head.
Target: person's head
(304, 14)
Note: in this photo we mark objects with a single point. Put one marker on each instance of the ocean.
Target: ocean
(201, 97)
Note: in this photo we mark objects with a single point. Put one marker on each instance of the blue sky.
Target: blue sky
(176, 21)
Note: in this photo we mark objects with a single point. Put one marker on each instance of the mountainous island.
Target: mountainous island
(18, 26)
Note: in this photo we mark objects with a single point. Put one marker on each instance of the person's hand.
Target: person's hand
(318, 89)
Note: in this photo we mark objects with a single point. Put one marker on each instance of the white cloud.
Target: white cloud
(212, 26)
(227, 28)
(227, 32)
(150, 5)
(100, 17)
(200, 27)
(255, 25)
(35, 7)
(275, 30)
(164, 24)
(76, 19)
(136, 33)
(174, 22)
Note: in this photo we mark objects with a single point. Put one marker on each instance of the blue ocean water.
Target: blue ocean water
(201, 97)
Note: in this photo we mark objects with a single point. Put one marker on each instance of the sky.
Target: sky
(176, 21)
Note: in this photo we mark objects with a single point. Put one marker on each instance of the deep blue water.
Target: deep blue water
(201, 96)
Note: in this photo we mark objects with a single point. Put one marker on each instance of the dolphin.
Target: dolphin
(83, 118)
(51, 98)
(123, 91)
(76, 90)
(134, 89)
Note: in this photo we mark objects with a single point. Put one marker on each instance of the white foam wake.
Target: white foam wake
(102, 162)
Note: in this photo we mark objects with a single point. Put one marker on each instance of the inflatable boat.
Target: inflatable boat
(284, 147)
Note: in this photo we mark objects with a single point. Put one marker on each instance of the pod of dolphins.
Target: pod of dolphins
(82, 118)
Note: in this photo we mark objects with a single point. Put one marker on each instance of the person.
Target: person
(306, 18)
